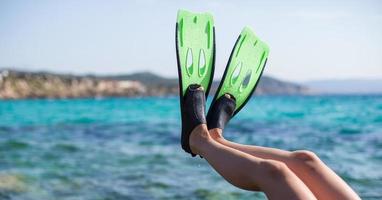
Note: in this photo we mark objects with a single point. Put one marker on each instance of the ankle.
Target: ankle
(216, 134)
(199, 137)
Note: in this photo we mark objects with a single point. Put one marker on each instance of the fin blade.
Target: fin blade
(195, 33)
(252, 54)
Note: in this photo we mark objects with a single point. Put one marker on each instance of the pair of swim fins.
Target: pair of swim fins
(195, 47)
(195, 42)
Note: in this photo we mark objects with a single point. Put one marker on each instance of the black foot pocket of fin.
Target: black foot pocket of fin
(221, 112)
(193, 113)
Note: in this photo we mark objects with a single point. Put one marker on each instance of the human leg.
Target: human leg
(246, 171)
(320, 179)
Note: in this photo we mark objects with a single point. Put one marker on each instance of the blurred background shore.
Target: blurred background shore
(17, 84)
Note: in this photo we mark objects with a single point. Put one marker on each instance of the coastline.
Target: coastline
(16, 84)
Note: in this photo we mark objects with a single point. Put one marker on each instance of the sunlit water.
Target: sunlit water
(129, 148)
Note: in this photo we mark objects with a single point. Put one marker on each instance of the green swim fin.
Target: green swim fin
(244, 69)
(195, 50)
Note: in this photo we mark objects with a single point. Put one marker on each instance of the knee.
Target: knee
(307, 158)
(275, 170)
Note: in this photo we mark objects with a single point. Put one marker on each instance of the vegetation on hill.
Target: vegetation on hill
(21, 84)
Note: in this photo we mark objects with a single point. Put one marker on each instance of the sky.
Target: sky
(308, 40)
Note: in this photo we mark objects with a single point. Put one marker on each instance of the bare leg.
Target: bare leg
(246, 171)
(320, 179)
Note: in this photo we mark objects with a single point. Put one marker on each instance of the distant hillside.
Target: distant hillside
(144, 77)
(22, 84)
(267, 85)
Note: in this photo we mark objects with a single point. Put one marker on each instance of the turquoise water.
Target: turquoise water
(129, 148)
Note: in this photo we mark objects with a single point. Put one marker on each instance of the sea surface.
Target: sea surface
(119, 148)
